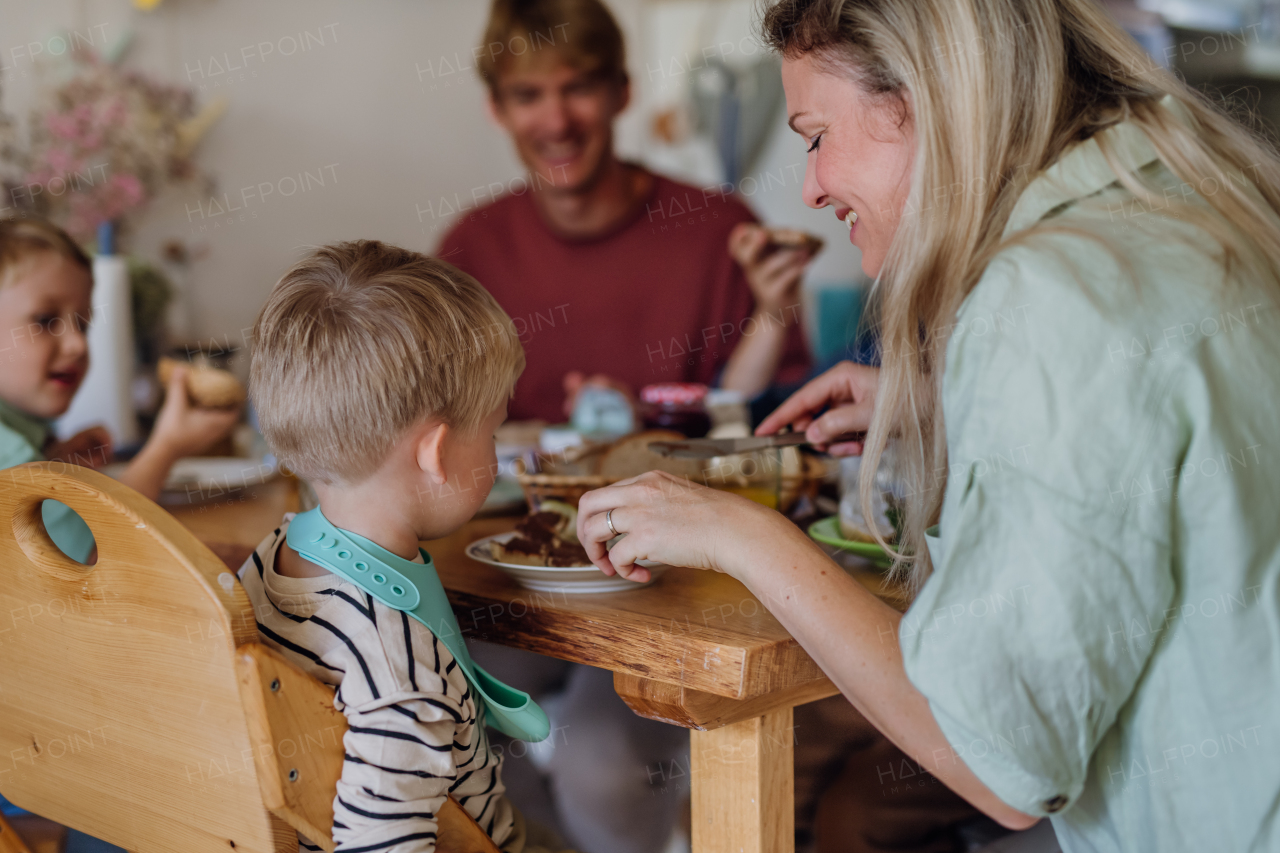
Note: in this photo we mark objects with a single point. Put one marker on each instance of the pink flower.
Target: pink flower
(129, 189)
(60, 160)
(61, 126)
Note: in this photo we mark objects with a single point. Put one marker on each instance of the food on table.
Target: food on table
(208, 387)
(853, 531)
(776, 238)
(774, 477)
(792, 238)
(679, 406)
(631, 456)
(546, 537)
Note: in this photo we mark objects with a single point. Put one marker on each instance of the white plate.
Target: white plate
(197, 479)
(570, 581)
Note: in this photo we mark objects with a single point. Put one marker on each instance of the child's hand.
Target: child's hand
(90, 448)
(185, 430)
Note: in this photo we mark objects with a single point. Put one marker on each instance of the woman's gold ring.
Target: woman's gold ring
(608, 519)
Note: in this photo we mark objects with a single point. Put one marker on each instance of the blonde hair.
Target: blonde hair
(997, 91)
(22, 237)
(581, 33)
(360, 341)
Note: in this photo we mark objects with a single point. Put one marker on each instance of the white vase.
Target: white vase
(106, 397)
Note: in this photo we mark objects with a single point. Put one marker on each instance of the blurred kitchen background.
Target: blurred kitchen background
(260, 129)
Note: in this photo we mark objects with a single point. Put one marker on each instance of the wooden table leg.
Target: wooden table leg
(744, 786)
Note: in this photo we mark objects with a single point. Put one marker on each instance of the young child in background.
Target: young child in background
(380, 376)
(46, 290)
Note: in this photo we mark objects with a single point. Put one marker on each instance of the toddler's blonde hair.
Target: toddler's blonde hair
(23, 237)
(360, 341)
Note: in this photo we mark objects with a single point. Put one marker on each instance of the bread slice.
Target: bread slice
(208, 387)
(631, 457)
(520, 551)
(793, 238)
(544, 538)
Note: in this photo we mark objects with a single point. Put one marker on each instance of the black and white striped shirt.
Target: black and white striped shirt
(412, 736)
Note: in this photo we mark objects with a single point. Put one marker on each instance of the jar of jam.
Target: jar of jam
(677, 406)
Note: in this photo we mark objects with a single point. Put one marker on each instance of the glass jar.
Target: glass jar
(887, 495)
(676, 406)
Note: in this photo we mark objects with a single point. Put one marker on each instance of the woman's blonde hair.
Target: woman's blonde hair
(361, 341)
(997, 91)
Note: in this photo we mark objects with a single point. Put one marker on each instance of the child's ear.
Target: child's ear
(429, 452)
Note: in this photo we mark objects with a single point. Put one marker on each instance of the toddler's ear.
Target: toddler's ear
(429, 452)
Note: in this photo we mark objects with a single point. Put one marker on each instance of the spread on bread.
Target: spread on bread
(547, 537)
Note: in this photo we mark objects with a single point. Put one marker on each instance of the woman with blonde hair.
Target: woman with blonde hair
(1078, 263)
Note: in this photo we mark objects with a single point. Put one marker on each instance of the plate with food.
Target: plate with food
(543, 554)
(828, 532)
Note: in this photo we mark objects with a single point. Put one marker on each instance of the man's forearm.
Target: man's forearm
(755, 359)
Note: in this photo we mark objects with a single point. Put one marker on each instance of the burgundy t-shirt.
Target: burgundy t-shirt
(656, 299)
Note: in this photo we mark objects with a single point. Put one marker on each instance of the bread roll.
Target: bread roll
(207, 387)
(776, 239)
(793, 238)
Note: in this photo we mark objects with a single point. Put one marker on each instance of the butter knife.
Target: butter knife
(709, 448)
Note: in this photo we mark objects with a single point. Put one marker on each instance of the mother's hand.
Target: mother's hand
(671, 520)
(848, 389)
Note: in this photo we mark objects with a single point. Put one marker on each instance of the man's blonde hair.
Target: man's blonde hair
(360, 341)
(581, 33)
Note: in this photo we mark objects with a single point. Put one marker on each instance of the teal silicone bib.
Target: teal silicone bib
(415, 588)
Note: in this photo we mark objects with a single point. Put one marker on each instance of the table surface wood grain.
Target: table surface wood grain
(698, 629)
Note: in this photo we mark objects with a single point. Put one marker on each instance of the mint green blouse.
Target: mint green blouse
(22, 437)
(1100, 639)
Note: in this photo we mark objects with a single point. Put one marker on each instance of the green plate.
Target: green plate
(827, 531)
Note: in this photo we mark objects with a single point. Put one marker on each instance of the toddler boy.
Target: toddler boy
(46, 297)
(380, 376)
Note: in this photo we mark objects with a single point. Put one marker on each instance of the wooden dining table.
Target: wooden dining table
(694, 649)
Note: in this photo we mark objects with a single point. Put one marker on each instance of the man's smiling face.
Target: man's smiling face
(561, 121)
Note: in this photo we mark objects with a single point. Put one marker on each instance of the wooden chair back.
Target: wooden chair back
(136, 703)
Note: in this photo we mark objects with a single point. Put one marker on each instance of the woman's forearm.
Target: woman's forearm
(853, 637)
(755, 359)
(850, 633)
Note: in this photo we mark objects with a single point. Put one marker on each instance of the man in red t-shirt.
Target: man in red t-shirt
(617, 276)
(607, 269)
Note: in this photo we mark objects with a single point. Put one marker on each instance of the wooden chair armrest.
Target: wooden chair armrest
(296, 735)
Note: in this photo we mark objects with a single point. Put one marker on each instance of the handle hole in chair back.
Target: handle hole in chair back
(120, 713)
(70, 535)
(28, 519)
(136, 703)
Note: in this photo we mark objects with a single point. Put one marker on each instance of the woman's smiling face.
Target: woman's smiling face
(860, 152)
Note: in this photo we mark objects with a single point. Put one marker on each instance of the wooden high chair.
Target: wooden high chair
(136, 703)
